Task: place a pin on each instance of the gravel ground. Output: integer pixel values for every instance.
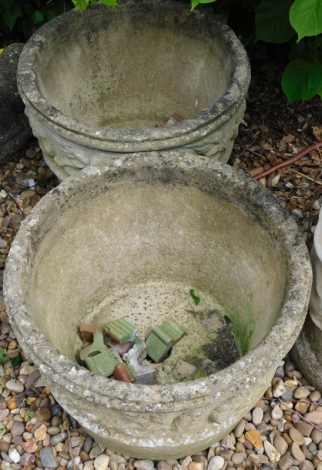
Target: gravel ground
(283, 430)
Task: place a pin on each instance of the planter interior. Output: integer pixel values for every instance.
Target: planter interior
(131, 241)
(131, 67)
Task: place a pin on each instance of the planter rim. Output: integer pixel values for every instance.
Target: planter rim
(189, 394)
(190, 128)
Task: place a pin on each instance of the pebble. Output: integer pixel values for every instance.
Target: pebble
(47, 457)
(306, 465)
(58, 438)
(17, 429)
(316, 436)
(195, 466)
(43, 415)
(101, 462)
(271, 452)
(53, 430)
(144, 464)
(14, 455)
(296, 436)
(277, 413)
(280, 445)
(301, 392)
(15, 386)
(238, 457)
(216, 463)
(257, 415)
(314, 417)
(279, 388)
(118, 459)
(40, 433)
(94, 452)
(296, 452)
(239, 429)
(286, 462)
(255, 438)
(4, 446)
(315, 396)
(87, 444)
(30, 446)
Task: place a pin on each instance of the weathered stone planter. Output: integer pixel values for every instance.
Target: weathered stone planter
(95, 83)
(135, 236)
(307, 353)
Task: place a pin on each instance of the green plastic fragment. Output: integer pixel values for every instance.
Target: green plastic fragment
(104, 363)
(97, 346)
(162, 339)
(121, 330)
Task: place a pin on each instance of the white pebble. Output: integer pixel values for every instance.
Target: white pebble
(216, 463)
(101, 462)
(15, 386)
(277, 413)
(14, 455)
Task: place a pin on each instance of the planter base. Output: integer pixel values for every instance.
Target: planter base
(307, 353)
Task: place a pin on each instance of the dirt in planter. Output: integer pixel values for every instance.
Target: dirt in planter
(218, 354)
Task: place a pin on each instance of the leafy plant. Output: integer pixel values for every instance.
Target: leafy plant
(3, 357)
(83, 4)
(278, 22)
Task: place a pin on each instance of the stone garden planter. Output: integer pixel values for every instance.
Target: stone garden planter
(307, 353)
(130, 239)
(95, 83)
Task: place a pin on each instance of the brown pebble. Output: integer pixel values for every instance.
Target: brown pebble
(301, 392)
(85, 457)
(314, 417)
(280, 445)
(255, 438)
(304, 428)
(65, 455)
(239, 429)
(296, 452)
(238, 457)
(43, 415)
(13, 345)
(195, 466)
(226, 454)
(286, 462)
(296, 436)
(301, 407)
(30, 447)
(239, 448)
(4, 446)
(287, 438)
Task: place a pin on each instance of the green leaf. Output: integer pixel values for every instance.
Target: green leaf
(306, 17)
(10, 12)
(302, 80)
(272, 21)
(3, 356)
(37, 17)
(80, 4)
(195, 3)
(195, 298)
(15, 361)
(110, 3)
(30, 413)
